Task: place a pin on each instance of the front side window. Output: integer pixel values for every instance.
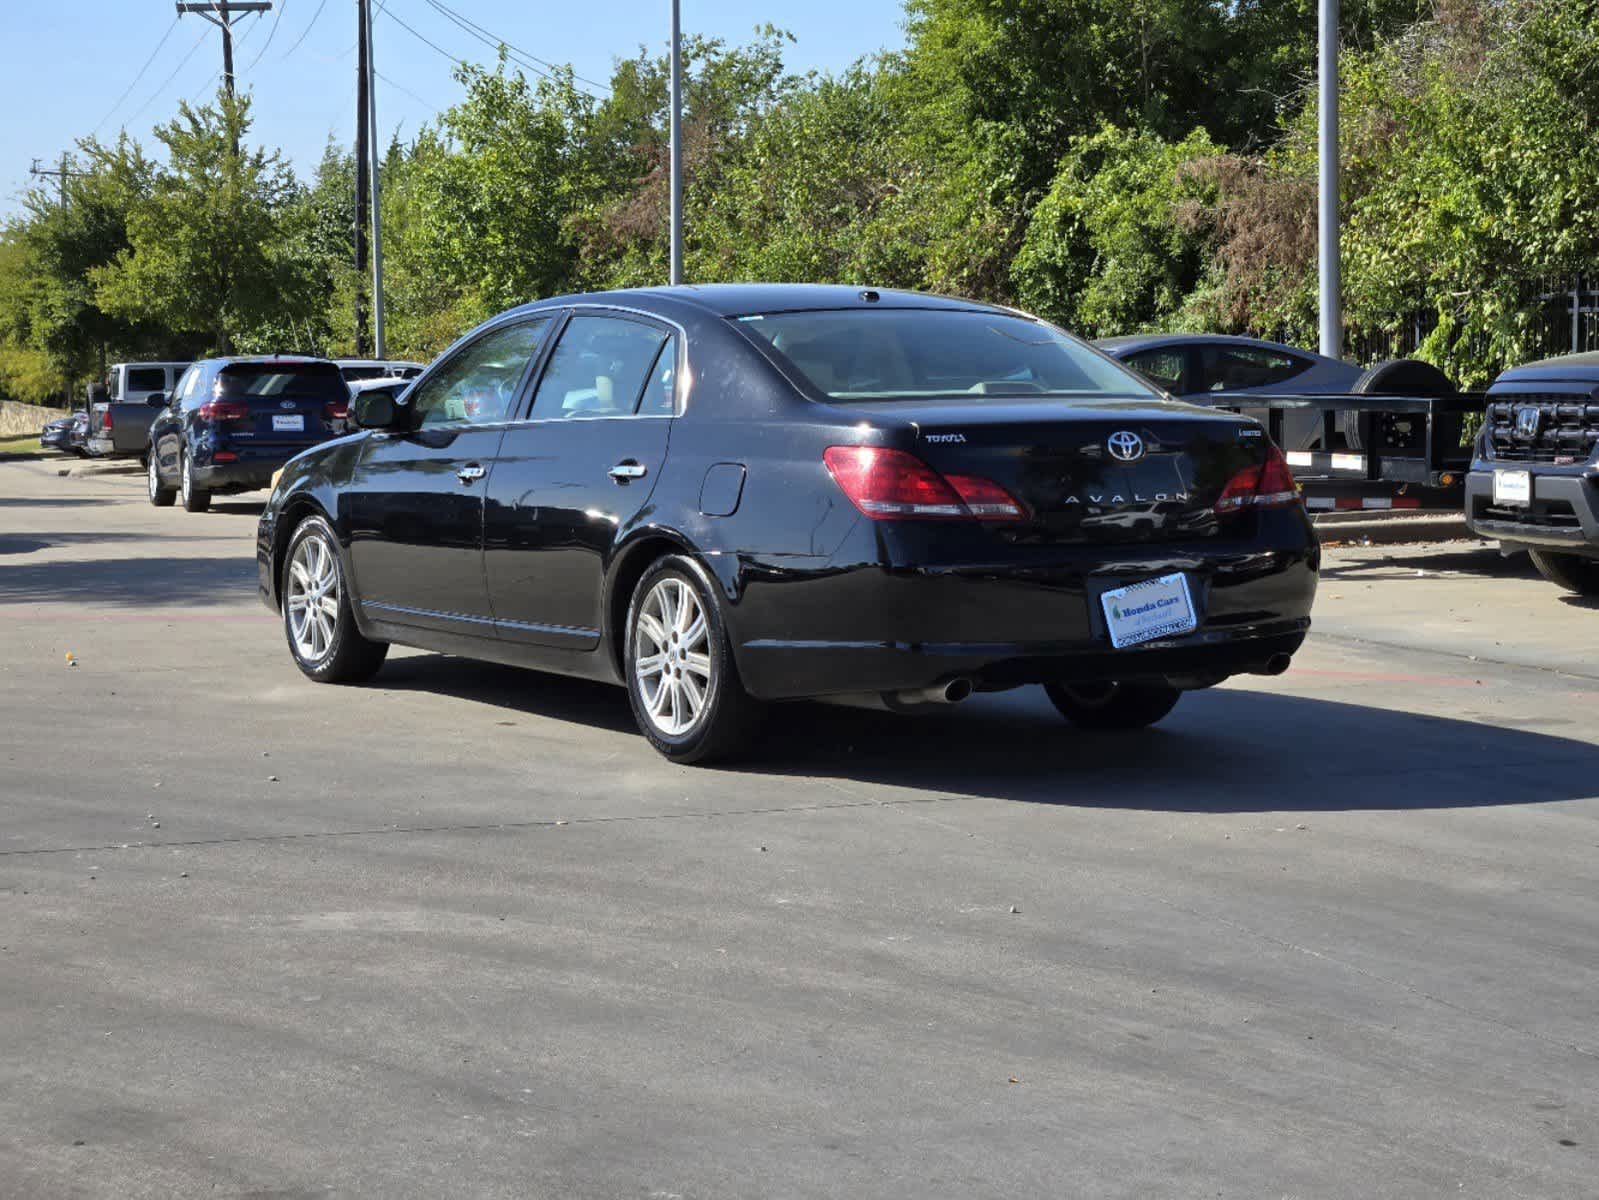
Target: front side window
(913, 354)
(600, 368)
(147, 379)
(1233, 368)
(480, 383)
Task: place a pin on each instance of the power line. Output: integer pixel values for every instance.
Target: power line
(382, 8)
(306, 32)
(497, 41)
(400, 87)
(137, 75)
(278, 16)
(168, 82)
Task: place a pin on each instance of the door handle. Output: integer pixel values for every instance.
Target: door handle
(470, 473)
(627, 470)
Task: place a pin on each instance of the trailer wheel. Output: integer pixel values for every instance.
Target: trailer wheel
(1401, 377)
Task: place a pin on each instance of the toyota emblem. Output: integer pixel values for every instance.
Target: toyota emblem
(1125, 446)
(1527, 422)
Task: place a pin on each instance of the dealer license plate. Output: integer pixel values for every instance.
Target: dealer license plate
(1142, 612)
(1512, 487)
(294, 422)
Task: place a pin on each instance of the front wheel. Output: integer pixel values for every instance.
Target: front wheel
(681, 678)
(317, 617)
(1570, 571)
(1108, 706)
(160, 494)
(195, 499)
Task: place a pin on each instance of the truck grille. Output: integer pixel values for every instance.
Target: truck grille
(1568, 427)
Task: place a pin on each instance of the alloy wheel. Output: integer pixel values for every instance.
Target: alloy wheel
(671, 657)
(154, 477)
(188, 482)
(313, 598)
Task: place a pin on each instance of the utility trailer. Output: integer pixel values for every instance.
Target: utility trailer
(1386, 451)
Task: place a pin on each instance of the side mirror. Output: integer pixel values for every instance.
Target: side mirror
(376, 410)
(155, 400)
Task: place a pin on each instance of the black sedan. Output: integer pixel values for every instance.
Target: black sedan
(726, 496)
(230, 423)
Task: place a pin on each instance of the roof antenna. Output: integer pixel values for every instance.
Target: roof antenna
(870, 296)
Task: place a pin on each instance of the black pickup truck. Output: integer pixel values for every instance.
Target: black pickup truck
(1534, 479)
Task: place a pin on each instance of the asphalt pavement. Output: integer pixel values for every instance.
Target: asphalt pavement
(462, 933)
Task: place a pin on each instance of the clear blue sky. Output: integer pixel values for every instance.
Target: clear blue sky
(67, 68)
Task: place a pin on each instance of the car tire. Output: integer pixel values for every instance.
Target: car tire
(678, 663)
(1108, 706)
(1570, 571)
(195, 500)
(324, 641)
(160, 495)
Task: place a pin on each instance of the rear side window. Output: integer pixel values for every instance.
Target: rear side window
(1230, 368)
(909, 354)
(147, 379)
(308, 381)
(1164, 366)
(599, 369)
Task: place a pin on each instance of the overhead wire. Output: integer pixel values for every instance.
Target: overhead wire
(485, 37)
(306, 32)
(494, 39)
(148, 100)
(276, 17)
(137, 75)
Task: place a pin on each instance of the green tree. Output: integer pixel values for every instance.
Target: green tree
(211, 247)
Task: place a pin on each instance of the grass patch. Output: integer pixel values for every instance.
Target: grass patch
(23, 446)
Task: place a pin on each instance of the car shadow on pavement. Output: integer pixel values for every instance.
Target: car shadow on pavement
(51, 501)
(1481, 561)
(245, 508)
(30, 543)
(1227, 750)
(135, 581)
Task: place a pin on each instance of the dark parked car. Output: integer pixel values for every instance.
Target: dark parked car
(723, 496)
(1534, 483)
(60, 433)
(232, 422)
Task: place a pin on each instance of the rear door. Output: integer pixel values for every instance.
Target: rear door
(284, 405)
(576, 474)
(413, 507)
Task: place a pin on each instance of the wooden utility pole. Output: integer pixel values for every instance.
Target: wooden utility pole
(221, 13)
(363, 159)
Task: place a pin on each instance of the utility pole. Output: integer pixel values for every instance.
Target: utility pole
(379, 343)
(363, 158)
(1332, 325)
(221, 13)
(677, 144)
(62, 174)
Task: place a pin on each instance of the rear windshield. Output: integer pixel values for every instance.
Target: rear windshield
(354, 373)
(906, 354)
(147, 379)
(315, 381)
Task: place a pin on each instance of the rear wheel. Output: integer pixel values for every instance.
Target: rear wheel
(681, 678)
(195, 500)
(1570, 571)
(317, 618)
(160, 495)
(1112, 705)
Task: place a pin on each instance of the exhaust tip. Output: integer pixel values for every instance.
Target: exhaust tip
(957, 690)
(1277, 664)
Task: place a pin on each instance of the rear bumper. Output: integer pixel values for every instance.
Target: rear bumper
(1563, 515)
(251, 472)
(875, 629)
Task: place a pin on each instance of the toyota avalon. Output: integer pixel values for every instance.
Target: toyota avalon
(726, 496)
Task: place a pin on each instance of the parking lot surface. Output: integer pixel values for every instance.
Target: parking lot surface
(462, 932)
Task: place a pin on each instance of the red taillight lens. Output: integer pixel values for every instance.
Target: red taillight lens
(891, 484)
(985, 499)
(105, 422)
(1269, 485)
(337, 410)
(224, 410)
(224, 456)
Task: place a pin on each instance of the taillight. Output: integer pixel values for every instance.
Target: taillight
(224, 456)
(105, 422)
(1269, 485)
(224, 410)
(337, 410)
(890, 484)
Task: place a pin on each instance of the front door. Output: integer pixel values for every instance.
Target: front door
(413, 508)
(577, 474)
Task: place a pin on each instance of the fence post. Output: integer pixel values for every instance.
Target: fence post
(1576, 316)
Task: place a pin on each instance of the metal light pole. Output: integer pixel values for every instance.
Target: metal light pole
(379, 343)
(1332, 326)
(677, 143)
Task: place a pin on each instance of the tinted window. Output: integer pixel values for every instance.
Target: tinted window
(598, 369)
(315, 381)
(147, 379)
(1229, 368)
(177, 373)
(354, 373)
(184, 383)
(894, 354)
(480, 382)
(1163, 366)
(660, 391)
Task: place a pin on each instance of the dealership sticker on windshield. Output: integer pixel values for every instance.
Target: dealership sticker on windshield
(1142, 612)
